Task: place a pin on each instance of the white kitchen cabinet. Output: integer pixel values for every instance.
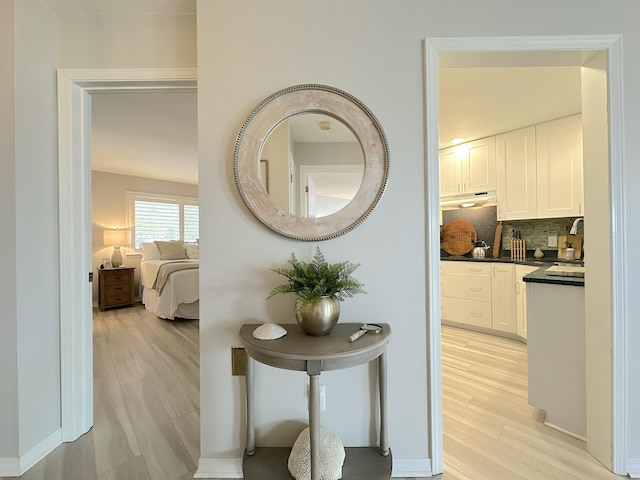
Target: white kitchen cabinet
(466, 293)
(559, 168)
(468, 168)
(539, 171)
(521, 299)
(503, 297)
(516, 174)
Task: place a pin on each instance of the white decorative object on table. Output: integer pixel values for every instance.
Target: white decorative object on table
(332, 456)
(269, 331)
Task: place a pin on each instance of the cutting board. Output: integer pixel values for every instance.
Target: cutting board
(497, 241)
(457, 237)
(565, 240)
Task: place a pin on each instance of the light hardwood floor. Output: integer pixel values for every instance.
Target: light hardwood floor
(146, 374)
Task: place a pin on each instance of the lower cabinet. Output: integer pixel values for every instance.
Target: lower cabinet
(489, 295)
(503, 297)
(466, 293)
(521, 299)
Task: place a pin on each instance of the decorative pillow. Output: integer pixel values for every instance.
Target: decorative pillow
(173, 250)
(192, 250)
(149, 251)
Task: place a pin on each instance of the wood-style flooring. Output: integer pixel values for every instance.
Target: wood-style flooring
(147, 422)
(490, 431)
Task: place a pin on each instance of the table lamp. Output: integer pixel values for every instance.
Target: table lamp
(116, 238)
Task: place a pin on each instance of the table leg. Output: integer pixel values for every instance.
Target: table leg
(251, 434)
(382, 387)
(314, 425)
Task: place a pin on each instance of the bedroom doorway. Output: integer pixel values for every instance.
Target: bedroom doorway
(74, 165)
(612, 428)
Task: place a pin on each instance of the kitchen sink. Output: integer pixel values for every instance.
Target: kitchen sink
(566, 270)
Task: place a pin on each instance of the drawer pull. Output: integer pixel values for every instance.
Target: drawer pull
(476, 289)
(475, 269)
(477, 315)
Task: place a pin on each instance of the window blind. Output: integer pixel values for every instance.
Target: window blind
(162, 217)
(191, 223)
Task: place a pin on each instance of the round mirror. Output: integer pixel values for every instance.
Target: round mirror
(311, 162)
(311, 165)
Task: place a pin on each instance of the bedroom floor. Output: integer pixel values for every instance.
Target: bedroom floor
(147, 413)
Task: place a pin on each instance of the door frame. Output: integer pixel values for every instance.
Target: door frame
(618, 361)
(75, 87)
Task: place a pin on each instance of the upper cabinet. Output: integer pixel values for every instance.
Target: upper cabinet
(516, 172)
(468, 168)
(559, 168)
(539, 170)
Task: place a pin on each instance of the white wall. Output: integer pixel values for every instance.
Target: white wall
(8, 320)
(36, 224)
(126, 41)
(373, 50)
(109, 210)
(331, 45)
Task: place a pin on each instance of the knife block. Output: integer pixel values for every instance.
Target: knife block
(563, 244)
(518, 250)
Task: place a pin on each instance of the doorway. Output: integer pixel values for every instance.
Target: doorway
(605, 416)
(74, 166)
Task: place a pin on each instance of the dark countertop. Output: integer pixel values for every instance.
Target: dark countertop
(538, 276)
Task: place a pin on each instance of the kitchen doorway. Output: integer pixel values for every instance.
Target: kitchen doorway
(598, 56)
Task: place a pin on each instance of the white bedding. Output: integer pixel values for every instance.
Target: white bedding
(180, 295)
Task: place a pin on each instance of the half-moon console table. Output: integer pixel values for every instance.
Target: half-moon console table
(301, 352)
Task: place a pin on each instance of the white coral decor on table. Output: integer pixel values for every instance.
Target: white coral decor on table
(332, 456)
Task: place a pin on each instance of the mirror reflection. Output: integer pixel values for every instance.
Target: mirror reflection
(311, 165)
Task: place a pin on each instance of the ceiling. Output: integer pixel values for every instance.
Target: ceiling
(479, 102)
(151, 135)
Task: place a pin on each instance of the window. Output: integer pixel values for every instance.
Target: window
(162, 217)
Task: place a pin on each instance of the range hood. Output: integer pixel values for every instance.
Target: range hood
(469, 200)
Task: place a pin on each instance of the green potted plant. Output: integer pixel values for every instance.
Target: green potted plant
(320, 287)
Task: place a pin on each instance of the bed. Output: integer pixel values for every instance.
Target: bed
(169, 279)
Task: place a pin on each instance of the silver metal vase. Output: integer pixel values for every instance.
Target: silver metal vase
(318, 317)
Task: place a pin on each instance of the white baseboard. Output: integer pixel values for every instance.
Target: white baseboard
(411, 468)
(633, 467)
(214, 468)
(565, 431)
(15, 467)
(232, 468)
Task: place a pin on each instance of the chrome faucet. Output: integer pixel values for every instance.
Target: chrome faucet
(574, 228)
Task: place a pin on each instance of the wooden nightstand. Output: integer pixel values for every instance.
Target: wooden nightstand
(115, 286)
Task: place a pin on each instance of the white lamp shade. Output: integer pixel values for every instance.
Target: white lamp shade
(115, 237)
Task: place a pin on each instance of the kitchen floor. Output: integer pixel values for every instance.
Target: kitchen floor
(490, 431)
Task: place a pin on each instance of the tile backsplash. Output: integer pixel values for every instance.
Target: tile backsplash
(535, 232)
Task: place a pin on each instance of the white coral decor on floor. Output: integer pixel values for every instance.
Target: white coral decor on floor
(331, 456)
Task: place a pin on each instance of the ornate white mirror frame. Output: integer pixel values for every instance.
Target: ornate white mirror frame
(297, 100)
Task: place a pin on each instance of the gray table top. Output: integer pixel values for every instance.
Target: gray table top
(333, 351)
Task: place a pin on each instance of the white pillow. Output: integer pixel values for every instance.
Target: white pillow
(192, 249)
(149, 251)
(171, 250)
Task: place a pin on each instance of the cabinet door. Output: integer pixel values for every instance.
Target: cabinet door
(450, 172)
(521, 299)
(503, 297)
(516, 174)
(559, 168)
(466, 312)
(479, 166)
